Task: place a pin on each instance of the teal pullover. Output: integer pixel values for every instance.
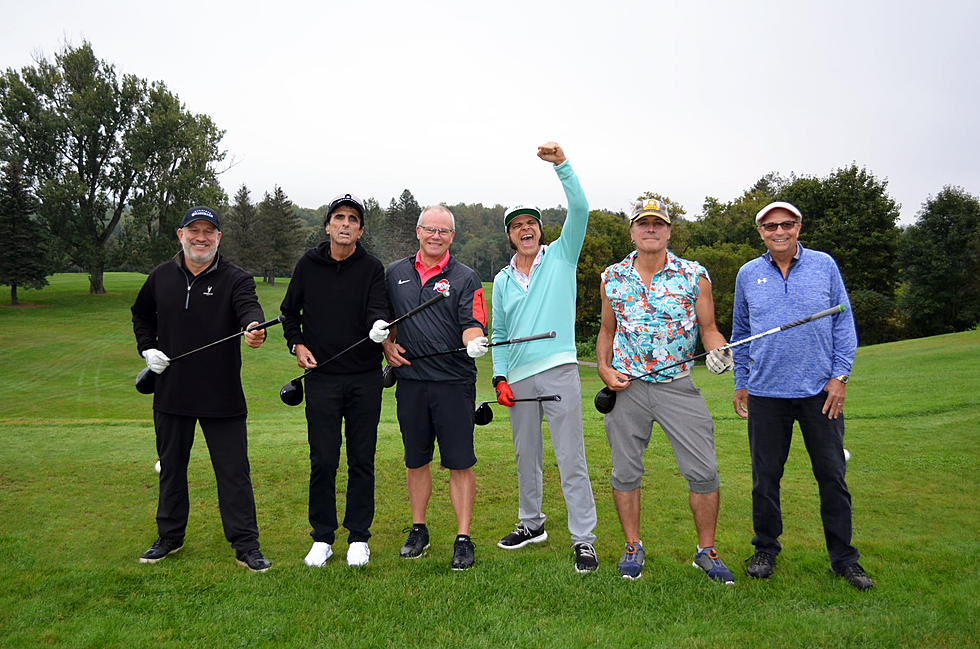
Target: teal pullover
(549, 302)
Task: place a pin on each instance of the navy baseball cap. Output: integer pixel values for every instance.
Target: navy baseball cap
(201, 213)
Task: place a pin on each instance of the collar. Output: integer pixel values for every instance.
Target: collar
(440, 265)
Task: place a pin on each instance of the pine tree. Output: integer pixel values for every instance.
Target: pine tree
(280, 235)
(25, 261)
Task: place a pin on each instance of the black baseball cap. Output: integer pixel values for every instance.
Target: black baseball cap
(201, 213)
(346, 199)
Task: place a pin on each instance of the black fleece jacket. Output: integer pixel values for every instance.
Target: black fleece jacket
(176, 312)
(331, 304)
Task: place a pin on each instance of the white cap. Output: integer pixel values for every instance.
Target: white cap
(789, 207)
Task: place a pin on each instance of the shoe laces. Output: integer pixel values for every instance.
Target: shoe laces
(585, 550)
(631, 550)
(523, 529)
(761, 558)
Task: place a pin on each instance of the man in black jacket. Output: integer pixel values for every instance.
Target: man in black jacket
(187, 302)
(337, 292)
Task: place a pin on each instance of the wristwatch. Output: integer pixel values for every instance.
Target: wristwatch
(842, 378)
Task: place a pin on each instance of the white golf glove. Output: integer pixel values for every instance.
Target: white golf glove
(477, 347)
(379, 331)
(156, 360)
(719, 361)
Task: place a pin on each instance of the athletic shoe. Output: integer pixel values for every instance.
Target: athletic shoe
(761, 565)
(463, 553)
(854, 574)
(318, 555)
(417, 543)
(521, 536)
(630, 565)
(358, 554)
(708, 560)
(253, 560)
(160, 549)
(585, 558)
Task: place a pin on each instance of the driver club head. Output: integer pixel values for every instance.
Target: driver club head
(388, 377)
(483, 414)
(605, 399)
(145, 381)
(292, 393)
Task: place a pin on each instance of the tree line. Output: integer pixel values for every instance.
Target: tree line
(98, 168)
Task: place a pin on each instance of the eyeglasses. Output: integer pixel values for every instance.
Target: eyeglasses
(442, 232)
(786, 225)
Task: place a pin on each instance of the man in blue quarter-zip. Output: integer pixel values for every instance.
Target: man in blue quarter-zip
(187, 302)
(799, 375)
(536, 293)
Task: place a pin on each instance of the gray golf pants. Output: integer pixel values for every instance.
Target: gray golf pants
(565, 424)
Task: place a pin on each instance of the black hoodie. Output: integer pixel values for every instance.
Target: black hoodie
(331, 304)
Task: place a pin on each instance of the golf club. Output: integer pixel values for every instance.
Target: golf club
(483, 415)
(390, 378)
(605, 399)
(292, 393)
(146, 380)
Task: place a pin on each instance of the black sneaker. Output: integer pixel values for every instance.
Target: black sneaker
(585, 558)
(417, 543)
(253, 560)
(160, 549)
(521, 536)
(463, 553)
(854, 574)
(761, 565)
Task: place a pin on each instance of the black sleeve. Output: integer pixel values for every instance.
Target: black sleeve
(378, 306)
(144, 311)
(245, 302)
(292, 307)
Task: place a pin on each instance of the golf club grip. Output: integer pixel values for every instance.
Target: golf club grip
(268, 323)
(525, 339)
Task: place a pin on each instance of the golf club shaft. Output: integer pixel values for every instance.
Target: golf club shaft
(525, 339)
(815, 316)
(261, 325)
(421, 307)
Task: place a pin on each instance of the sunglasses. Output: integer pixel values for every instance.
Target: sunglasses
(772, 227)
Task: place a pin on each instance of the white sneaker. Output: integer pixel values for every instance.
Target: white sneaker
(318, 555)
(358, 554)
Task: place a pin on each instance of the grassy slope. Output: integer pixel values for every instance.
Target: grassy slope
(78, 496)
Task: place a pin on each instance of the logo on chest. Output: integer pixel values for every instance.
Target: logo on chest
(441, 286)
(208, 291)
(761, 280)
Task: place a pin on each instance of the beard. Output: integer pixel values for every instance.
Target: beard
(199, 258)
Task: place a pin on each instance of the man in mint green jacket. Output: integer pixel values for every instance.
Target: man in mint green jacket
(535, 293)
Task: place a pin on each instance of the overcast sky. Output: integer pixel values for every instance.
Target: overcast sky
(450, 99)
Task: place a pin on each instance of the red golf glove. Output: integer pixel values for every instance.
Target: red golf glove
(505, 396)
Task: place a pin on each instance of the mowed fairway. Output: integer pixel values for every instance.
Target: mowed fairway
(78, 499)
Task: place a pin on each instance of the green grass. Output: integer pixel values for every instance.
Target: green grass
(78, 498)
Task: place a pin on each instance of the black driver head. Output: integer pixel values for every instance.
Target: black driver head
(292, 393)
(483, 414)
(605, 399)
(388, 377)
(145, 381)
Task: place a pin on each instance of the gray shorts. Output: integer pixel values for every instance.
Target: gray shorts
(679, 409)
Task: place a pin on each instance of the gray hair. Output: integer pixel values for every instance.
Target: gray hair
(437, 208)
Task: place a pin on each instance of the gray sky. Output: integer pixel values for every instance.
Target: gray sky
(450, 99)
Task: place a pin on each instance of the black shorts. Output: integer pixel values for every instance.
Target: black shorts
(430, 411)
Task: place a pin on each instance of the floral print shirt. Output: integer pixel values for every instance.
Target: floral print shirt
(656, 325)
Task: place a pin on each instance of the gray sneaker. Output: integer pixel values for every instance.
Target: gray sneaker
(630, 565)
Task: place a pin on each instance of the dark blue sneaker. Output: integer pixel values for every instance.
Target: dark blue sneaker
(630, 565)
(708, 560)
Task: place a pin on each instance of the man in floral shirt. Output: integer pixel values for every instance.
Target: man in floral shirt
(654, 304)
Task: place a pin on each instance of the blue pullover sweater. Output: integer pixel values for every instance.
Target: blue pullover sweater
(798, 362)
(549, 302)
